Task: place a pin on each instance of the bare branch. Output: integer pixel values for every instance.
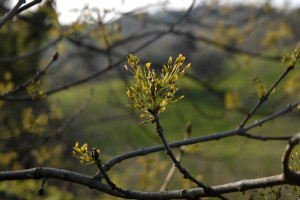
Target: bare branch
(25, 7)
(106, 177)
(38, 173)
(65, 175)
(257, 137)
(178, 157)
(216, 136)
(288, 109)
(144, 151)
(41, 190)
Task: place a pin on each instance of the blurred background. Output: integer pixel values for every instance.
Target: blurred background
(235, 51)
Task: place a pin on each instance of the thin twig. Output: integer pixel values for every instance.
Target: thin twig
(106, 177)
(257, 137)
(288, 109)
(264, 97)
(41, 190)
(216, 136)
(178, 157)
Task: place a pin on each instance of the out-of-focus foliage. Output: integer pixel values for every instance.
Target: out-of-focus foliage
(291, 59)
(292, 84)
(29, 190)
(228, 35)
(260, 88)
(6, 85)
(274, 37)
(152, 167)
(295, 160)
(233, 100)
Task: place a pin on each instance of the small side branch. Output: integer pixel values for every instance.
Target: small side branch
(106, 177)
(288, 109)
(264, 97)
(41, 190)
(257, 137)
(25, 7)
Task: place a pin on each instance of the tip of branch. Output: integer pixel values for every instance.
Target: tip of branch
(55, 56)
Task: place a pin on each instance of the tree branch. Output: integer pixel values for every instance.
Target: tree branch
(177, 164)
(178, 157)
(11, 13)
(25, 7)
(257, 137)
(288, 109)
(144, 151)
(65, 175)
(264, 97)
(288, 177)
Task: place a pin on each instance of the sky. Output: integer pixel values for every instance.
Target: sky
(67, 15)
